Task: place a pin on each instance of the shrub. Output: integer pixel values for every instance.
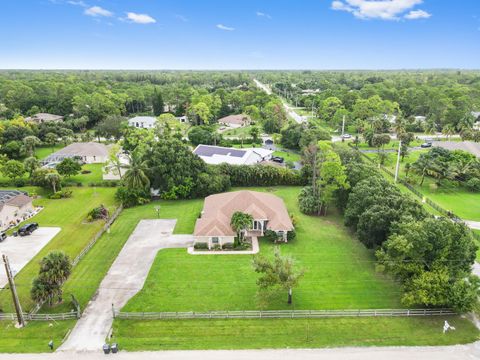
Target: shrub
(473, 184)
(62, 194)
(217, 247)
(86, 172)
(270, 235)
(227, 246)
(200, 246)
(307, 201)
(99, 212)
(291, 235)
(132, 197)
(260, 175)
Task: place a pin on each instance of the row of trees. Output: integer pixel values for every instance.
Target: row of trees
(431, 257)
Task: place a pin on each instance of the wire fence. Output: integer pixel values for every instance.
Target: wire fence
(97, 236)
(280, 314)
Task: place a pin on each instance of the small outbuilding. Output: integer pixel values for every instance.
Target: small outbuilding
(143, 122)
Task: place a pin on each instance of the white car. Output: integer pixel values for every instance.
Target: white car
(346, 136)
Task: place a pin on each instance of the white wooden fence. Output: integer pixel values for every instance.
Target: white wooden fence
(280, 314)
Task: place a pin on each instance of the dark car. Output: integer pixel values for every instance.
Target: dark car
(278, 159)
(269, 142)
(3, 236)
(426, 145)
(27, 229)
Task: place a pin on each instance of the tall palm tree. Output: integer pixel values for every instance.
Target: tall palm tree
(56, 267)
(240, 222)
(135, 177)
(53, 178)
(448, 130)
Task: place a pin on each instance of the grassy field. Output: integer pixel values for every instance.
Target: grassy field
(244, 130)
(34, 337)
(460, 201)
(287, 155)
(283, 333)
(323, 247)
(70, 215)
(95, 176)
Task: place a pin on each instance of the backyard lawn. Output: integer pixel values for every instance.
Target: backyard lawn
(70, 215)
(95, 175)
(285, 333)
(43, 151)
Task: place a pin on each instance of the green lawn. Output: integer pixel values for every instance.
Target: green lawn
(95, 176)
(70, 215)
(244, 130)
(339, 273)
(34, 337)
(287, 155)
(43, 151)
(283, 333)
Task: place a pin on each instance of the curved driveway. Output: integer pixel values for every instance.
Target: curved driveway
(124, 279)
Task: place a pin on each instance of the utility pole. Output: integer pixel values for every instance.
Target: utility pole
(398, 160)
(16, 301)
(343, 126)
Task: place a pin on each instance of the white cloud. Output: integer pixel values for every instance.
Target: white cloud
(77, 3)
(381, 9)
(97, 11)
(417, 14)
(226, 28)
(181, 18)
(262, 14)
(140, 18)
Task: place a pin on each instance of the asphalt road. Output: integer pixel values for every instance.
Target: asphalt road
(459, 352)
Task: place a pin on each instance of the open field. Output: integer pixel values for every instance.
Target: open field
(95, 176)
(34, 337)
(296, 333)
(69, 214)
(463, 203)
(323, 247)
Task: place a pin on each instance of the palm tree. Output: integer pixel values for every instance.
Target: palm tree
(448, 130)
(135, 177)
(240, 222)
(30, 142)
(423, 165)
(53, 178)
(55, 267)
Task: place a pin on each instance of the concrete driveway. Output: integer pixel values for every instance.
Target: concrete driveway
(124, 279)
(21, 249)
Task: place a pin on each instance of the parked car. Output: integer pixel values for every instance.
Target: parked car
(278, 159)
(426, 145)
(269, 142)
(346, 136)
(27, 229)
(3, 236)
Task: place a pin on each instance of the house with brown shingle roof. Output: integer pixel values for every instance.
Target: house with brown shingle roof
(268, 211)
(15, 206)
(44, 118)
(235, 120)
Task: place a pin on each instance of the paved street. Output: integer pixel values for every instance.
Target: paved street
(459, 352)
(21, 249)
(124, 279)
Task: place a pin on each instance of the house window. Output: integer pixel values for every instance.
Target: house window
(214, 240)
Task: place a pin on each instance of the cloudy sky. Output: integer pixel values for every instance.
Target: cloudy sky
(246, 34)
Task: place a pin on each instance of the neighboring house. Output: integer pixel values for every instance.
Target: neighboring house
(476, 124)
(44, 118)
(143, 122)
(15, 206)
(218, 155)
(420, 119)
(268, 211)
(182, 119)
(235, 121)
(89, 153)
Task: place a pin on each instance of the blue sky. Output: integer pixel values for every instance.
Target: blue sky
(239, 34)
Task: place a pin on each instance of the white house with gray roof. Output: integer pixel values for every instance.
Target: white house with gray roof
(15, 206)
(143, 122)
(89, 153)
(215, 155)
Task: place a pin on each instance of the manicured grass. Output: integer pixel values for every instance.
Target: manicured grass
(95, 176)
(34, 337)
(288, 156)
(460, 201)
(282, 333)
(339, 273)
(70, 215)
(43, 151)
(89, 273)
(244, 130)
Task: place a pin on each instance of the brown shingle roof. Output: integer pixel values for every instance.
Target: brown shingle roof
(19, 200)
(218, 210)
